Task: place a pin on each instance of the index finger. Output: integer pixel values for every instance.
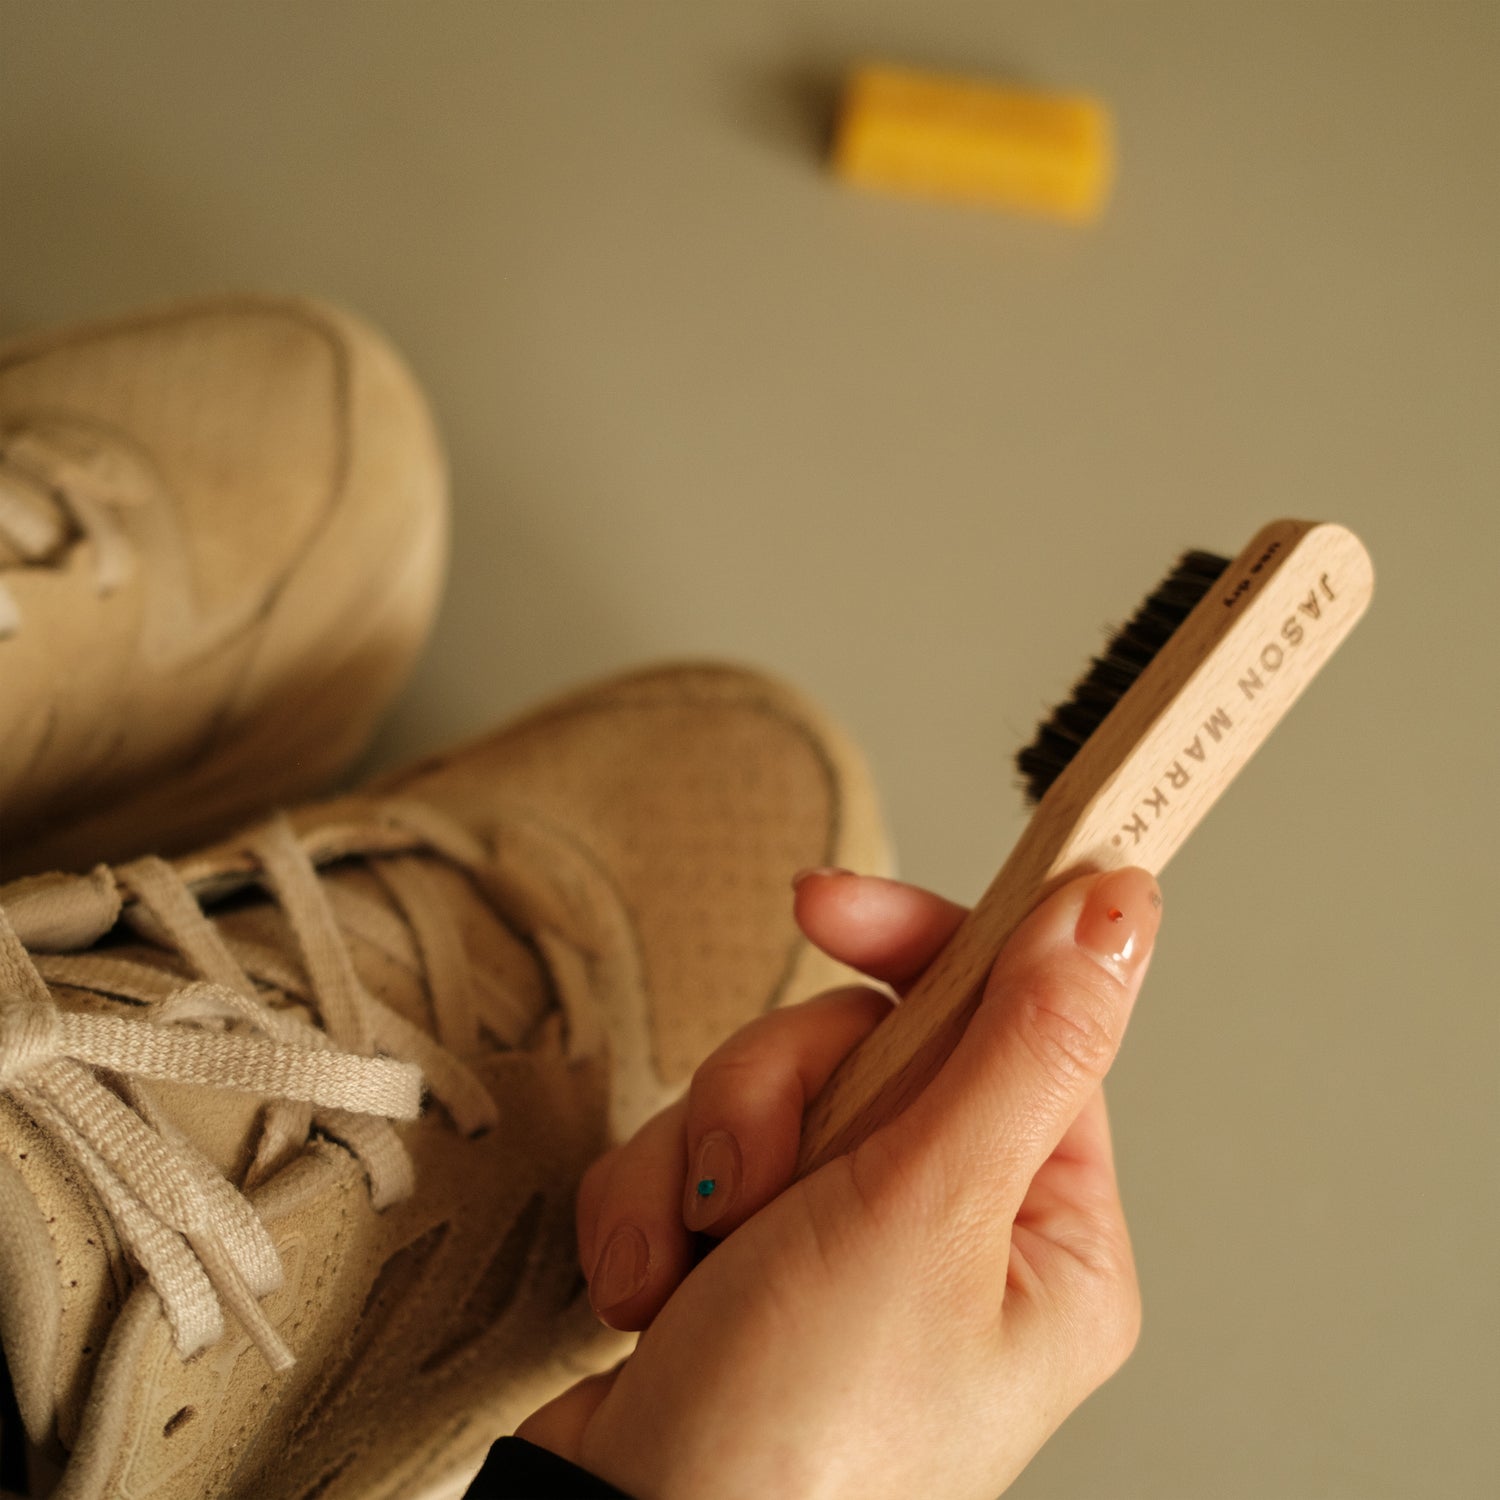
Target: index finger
(884, 928)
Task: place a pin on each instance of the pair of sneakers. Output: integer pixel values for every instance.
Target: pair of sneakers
(291, 1123)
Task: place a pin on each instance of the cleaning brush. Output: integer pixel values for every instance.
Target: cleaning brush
(1154, 731)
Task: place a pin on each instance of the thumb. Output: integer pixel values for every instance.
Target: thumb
(1044, 1035)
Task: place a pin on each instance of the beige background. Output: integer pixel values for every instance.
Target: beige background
(702, 400)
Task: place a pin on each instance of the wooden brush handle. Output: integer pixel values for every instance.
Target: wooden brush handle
(900, 1057)
(1133, 793)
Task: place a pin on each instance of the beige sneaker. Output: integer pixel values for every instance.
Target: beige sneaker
(553, 924)
(222, 530)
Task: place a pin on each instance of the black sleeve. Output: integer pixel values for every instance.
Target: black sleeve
(518, 1470)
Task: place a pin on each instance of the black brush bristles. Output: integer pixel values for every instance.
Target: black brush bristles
(1110, 676)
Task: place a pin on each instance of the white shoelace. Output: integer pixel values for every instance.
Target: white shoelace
(81, 1076)
(61, 483)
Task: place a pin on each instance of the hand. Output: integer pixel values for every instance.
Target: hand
(916, 1317)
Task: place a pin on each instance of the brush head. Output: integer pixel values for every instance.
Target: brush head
(1110, 676)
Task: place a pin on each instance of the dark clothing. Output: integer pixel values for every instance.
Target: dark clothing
(518, 1470)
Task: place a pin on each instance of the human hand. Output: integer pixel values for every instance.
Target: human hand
(917, 1316)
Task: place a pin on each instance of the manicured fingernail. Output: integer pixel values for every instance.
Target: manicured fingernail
(802, 875)
(713, 1181)
(621, 1268)
(1119, 922)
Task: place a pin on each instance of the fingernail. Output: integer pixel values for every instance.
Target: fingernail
(621, 1268)
(802, 875)
(713, 1181)
(1119, 922)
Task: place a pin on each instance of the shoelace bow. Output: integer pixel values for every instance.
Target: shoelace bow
(79, 1075)
(60, 483)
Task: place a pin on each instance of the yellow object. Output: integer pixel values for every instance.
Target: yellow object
(946, 137)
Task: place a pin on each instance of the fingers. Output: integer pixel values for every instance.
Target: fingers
(883, 928)
(1045, 1033)
(632, 1243)
(746, 1103)
(713, 1159)
(1007, 1100)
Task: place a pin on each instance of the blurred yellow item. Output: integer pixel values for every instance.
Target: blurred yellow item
(949, 137)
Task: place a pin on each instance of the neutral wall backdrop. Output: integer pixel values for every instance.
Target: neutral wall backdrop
(702, 400)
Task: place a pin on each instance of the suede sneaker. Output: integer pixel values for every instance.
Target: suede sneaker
(222, 532)
(235, 1258)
